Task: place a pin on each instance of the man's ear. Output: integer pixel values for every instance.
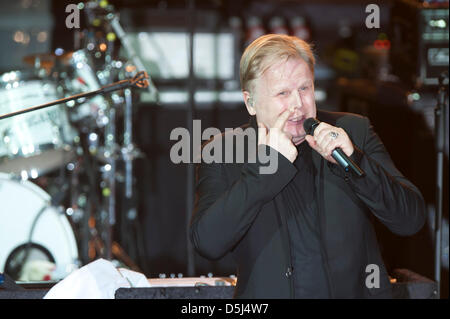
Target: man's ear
(249, 102)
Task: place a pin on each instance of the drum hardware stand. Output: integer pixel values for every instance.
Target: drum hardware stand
(102, 241)
(109, 180)
(90, 235)
(81, 210)
(440, 118)
(128, 156)
(129, 153)
(112, 19)
(128, 149)
(97, 245)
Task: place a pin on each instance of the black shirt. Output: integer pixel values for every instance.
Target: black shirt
(310, 279)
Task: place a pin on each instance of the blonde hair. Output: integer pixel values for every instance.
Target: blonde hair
(268, 49)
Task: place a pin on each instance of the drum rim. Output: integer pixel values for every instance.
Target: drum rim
(26, 183)
(21, 75)
(39, 150)
(66, 151)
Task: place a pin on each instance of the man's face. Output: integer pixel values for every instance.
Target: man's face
(288, 84)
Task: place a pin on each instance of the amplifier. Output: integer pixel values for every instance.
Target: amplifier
(419, 35)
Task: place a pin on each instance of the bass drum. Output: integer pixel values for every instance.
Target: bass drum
(36, 240)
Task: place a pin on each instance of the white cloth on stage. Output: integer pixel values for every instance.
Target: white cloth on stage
(97, 280)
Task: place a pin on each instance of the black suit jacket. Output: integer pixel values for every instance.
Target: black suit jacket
(240, 211)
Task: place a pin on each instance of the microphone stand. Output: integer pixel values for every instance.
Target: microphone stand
(139, 81)
(440, 129)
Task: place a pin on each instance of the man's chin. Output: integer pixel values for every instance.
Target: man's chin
(298, 139)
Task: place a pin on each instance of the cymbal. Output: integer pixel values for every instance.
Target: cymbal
(46, 60)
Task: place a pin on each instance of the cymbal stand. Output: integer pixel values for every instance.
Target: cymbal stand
(113, 150)
(108, 183)
(129, 153)
(128, 147)
(440, 129)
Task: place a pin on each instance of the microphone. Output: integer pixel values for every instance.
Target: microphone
(339, 156)
(139, 81)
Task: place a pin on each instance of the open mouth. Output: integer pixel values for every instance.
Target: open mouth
(297, 120)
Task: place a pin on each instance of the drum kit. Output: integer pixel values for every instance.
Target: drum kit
(59, 165)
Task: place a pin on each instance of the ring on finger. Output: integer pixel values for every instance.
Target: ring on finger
(333, 135)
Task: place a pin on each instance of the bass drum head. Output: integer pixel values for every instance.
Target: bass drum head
(36, 240)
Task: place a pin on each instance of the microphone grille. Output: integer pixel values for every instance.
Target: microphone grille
(309, 125)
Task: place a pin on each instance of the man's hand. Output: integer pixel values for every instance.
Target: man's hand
(276, 138)
(324, 143)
